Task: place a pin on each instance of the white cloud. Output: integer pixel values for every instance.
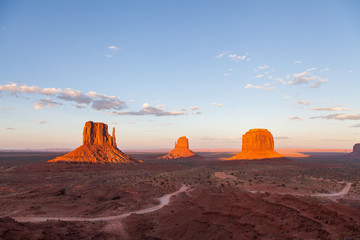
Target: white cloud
(217, 104)
(237, 58)
(75, 96)
(14, 88)
(297, 62)
(113, 51)
(114, 48)
(50, 91)
(334, 108)
(106, 104)
(197, 112)
(41, 122)
(355, 126)
(28, 89)
(99, 95)
(264, 87)
(80, 100)
(47, 102)
(194, 108)
(132, 101)
(339, 116)
(227, 74)
(262, 67)
(295, 118)
(149, 110)
(103, 102)
(220, 55)
(303, 102)
(9, 128)
(307, 77)
(259, 76)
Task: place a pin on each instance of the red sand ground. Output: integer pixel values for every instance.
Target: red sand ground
(218, 208)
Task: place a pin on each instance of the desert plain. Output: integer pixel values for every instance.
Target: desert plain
(312, 197)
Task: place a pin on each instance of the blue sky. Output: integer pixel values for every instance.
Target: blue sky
(158, 70)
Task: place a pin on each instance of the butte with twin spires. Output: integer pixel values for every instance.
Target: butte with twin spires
(98, 147)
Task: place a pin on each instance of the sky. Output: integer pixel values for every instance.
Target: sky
(158, 70)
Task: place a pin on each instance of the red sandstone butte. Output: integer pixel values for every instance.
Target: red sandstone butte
(181, 150)
(356, 151)
(98, 147)
(257, 144)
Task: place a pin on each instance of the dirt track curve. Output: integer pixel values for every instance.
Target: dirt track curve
(163, 201)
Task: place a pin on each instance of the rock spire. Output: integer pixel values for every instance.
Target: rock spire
(98, 147)
(257, 144)
(181, 150)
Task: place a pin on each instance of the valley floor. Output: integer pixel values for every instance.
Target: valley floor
(315, 197)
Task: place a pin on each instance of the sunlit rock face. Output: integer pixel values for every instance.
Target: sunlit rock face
(98, 147)
(97, 134)
(181, 150)
(257, 144)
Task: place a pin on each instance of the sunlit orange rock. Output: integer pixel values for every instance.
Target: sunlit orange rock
(181, 150)
(257, 144)
(98, 147)
(97, 134)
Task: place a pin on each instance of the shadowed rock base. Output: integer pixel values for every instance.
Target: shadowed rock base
(356, 151)
(98, 147)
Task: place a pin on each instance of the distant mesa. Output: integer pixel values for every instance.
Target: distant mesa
(98, 147)
(257, 144)
(181, 150)
(356, 151)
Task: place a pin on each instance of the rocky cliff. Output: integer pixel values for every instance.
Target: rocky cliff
(356, 151)
(97, 134)
(181, 150)
(257, 144)
(98, 147)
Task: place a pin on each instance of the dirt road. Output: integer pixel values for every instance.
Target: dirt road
(342, 193)
(163, 201)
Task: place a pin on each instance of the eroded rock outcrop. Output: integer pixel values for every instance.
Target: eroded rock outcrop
(98, 147)
(257, 144)
(97, 134)
(356, 151)
(181, 150)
